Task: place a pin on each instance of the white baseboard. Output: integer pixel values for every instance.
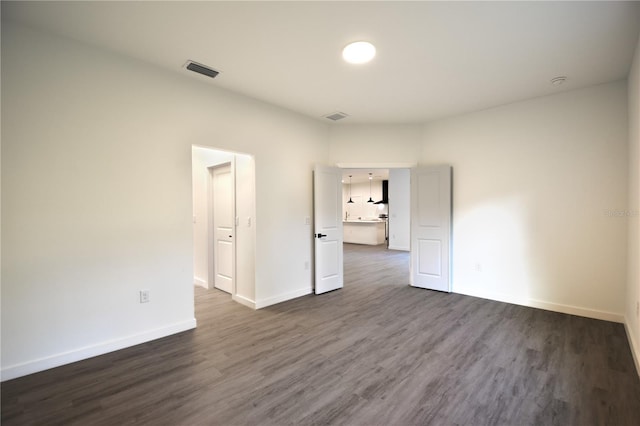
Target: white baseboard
(549, 306)
(635, 349)
(392, 247)
(263, 303)
(244, 301)
(576, 310)
(30, 367)
(200, 282)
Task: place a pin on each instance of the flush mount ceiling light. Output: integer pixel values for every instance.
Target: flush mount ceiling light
(557, 81)
(359, 52)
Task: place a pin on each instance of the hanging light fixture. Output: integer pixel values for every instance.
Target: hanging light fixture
(370, 199)
(350, 200)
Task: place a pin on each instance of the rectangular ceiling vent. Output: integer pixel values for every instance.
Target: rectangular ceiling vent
(335, 116)
(201, 69)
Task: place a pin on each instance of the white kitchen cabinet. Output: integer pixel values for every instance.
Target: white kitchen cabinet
(370, 232)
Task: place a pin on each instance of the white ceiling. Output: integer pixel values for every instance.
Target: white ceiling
(435, 59)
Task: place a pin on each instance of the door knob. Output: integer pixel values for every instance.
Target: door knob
(321, 235)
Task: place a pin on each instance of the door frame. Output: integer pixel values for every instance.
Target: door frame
(400, 165)
(211, 252)
(411, 166)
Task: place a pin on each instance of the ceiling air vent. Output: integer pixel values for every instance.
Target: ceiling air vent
(335, 116)
(201, 69)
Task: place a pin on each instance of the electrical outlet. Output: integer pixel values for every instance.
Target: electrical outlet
(144, 296)
(306, 265)
(477, 267)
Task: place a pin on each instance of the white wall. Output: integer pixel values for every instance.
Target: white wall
(381, 144)
(245, 231)
(97, 197)
(532, 184)
(632, 296)
(400, 209)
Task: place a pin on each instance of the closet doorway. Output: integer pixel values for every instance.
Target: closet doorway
(223, 222)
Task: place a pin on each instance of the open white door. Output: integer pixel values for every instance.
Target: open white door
(222, 226)
(327, 231)
(431, 227)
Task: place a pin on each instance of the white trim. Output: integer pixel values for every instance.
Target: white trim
(399, 248)
(549, 306)
(376, 165)
(200, 282)
(34, 366)
(635, 349)
(226, 151)
(244, 301)
(576, 310)
(263, 303)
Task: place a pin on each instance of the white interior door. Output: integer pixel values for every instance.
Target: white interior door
(327, 208)
(431, 227)
(223, 221)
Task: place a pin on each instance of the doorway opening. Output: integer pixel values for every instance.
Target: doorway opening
(376, 226)
(223, 184)
(430, 201)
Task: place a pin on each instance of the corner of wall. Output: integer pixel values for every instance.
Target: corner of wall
(633, 345)
(632, 321)
(263, 303)
(244, 301)
(200, 282)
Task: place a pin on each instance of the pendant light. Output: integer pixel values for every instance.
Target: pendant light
(350, 200)
(370, 199)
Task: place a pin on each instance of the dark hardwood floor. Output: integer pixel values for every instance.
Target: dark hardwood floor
(377, 352)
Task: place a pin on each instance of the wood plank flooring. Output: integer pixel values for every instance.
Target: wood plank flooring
(377, 352)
